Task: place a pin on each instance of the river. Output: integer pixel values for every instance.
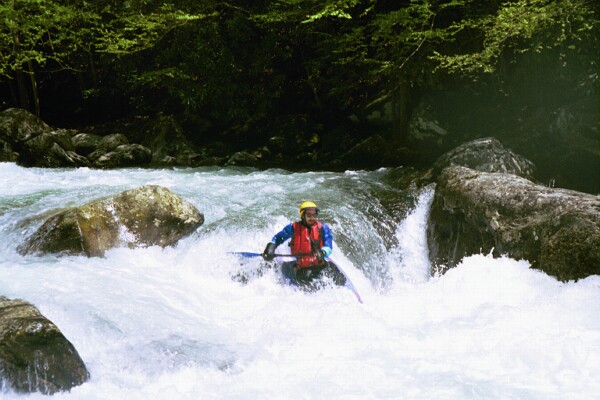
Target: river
(177, 323)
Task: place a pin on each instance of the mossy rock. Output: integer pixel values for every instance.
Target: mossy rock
(34, 354)
(145, 216)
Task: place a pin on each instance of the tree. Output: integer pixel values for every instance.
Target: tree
(517, 27)
(384, 51)
(33, 34)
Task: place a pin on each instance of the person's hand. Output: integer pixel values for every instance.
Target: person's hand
(269, 253)
(326, 251)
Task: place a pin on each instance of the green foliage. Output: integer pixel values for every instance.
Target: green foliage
(336, 9)
(518, 27)
(33, 31)
(238, 60)
(128, 33)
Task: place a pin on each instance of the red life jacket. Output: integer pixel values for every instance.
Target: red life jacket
(301, 243)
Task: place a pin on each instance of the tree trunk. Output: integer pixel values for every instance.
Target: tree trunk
(22, 91)
(401, 111)
(34, 89)
(14, 92)
(93, 69)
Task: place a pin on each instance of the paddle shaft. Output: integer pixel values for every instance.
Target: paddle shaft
(249, 254)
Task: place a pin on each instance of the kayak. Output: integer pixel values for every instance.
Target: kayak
(309, 279)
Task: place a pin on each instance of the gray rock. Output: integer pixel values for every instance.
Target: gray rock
(96, 154)
(557, 230)
(85, 143)
(486, 155)
(127, 155)
(78, 160)
(48, 149)
(32, 143)
(145, 216)
(18, 125)
(7, 154)
(34, 355)
(112, 141)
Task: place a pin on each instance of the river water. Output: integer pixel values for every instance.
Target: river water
(177, 323)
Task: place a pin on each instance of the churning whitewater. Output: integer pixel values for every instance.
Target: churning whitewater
(177, 323)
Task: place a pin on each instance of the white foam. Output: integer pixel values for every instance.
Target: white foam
(171, 324)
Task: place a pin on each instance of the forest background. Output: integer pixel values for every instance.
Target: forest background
(318, 83)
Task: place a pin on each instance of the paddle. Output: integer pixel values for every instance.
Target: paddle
(249, 254)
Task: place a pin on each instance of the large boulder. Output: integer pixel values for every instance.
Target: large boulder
(486, 155)
(18, 125)
(34, 354)
(145, 216)
(31, 142)
(557, 230)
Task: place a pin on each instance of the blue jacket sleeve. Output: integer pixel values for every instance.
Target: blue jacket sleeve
(327, 237)
(283, 235)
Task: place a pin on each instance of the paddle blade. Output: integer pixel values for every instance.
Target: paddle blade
(245, 254)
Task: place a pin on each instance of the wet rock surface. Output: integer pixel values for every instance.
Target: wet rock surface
(557, 230)
(29, 141)
(34, 355)
(145, 216)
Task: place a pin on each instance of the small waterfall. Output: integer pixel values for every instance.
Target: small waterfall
(410, 259)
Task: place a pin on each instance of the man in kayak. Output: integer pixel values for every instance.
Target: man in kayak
(312, 242)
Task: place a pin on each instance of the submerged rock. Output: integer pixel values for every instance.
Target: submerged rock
(34, 355)
(557, 230)
(145, 216)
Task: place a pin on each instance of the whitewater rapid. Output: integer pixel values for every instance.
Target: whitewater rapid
(173, 323)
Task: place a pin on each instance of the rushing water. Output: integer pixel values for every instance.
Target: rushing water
(175, 323)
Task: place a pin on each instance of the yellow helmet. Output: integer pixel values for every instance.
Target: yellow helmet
(307, 204)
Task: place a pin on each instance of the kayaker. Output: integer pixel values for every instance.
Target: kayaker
(312, 242)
